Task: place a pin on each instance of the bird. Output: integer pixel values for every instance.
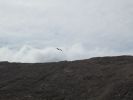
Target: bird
(59, 49)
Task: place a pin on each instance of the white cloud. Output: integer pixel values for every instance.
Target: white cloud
(28, 54)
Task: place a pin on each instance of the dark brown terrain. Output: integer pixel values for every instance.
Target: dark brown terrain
(101, 78)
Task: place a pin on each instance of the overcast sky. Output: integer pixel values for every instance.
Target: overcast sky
(31, 30)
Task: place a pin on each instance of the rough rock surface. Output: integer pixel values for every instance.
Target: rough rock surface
(100, 78)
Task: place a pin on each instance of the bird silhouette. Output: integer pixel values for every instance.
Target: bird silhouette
(59, 49)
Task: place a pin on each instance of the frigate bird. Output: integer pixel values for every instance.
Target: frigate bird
(59, 49)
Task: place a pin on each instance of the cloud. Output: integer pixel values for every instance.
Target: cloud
(85, 28)
(28, 54)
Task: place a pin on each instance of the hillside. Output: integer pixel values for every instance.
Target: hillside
(100, 78)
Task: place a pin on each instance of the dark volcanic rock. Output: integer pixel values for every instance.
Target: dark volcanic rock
(101, 78)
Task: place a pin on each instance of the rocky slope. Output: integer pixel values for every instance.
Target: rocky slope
(101, 78)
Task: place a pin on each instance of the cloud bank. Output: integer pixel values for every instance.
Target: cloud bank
(31, 30)
(28, 54)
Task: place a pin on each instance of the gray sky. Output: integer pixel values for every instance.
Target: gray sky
(30, 30)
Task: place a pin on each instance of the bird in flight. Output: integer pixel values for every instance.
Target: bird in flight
(59, 49)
